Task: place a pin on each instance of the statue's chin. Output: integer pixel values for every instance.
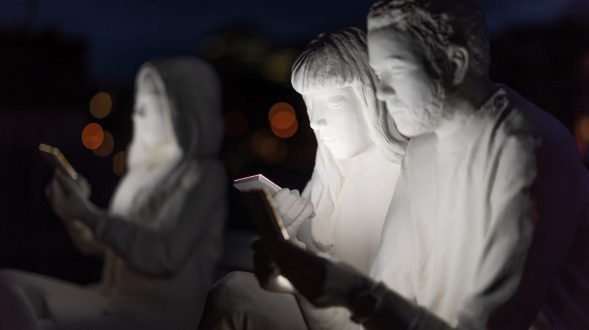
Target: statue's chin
(415, 128)
(341, 154)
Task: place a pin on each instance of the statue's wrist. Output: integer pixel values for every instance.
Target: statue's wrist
(92, 215)
(366, 301)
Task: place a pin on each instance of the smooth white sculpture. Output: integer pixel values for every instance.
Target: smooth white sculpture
(162, 235)
(351, 186)
(351, 177)
(488, 227)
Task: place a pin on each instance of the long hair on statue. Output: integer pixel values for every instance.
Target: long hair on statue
(338, 60)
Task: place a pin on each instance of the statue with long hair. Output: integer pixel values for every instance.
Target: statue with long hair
(342, 209)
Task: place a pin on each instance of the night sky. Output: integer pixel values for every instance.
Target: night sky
(123, 34)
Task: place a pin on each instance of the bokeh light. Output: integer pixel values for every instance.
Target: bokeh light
(252, 51)
(107, 146)
(236, 123)
(100, 105)
(119, 165)
(286, 133)
(582, 133)
(283, 120)
(277, 66)
(213, 47)
(92, 136)
(268, 147)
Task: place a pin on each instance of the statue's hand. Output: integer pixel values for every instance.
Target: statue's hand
(323, 281)
(83, 185)
(68, 197)
(267, 272)
(293, 209)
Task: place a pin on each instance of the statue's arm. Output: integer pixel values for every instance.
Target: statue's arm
(529, 235)
(163, 251)
(83, 238)
(536, 214)
(391, 311)
(329, 283)
(80, 234)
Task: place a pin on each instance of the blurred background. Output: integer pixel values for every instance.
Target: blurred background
(66, 79)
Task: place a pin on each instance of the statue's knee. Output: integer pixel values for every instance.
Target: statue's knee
(233, 291)
(9, 288)
(8, 276)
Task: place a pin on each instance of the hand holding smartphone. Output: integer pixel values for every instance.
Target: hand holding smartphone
(269, 224)
(57, 160)
(257, 181)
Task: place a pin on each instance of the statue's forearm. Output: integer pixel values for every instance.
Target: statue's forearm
(380, 308)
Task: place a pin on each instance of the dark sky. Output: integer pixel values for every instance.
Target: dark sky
(124, 33)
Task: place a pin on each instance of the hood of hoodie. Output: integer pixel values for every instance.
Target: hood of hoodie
(193, 91)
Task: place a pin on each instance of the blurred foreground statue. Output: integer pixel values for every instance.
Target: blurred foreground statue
(343, 207)
(488, 227)
(162, 234)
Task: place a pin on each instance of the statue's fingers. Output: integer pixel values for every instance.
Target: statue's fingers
(305, 214)
(305, 277)
(288, 202)
(65, 182)
(296, 209)
(302, 210)
(280, 196)
(58, 190)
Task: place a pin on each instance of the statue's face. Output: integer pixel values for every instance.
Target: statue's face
(414, 98)
(149, 117)
(336, 117)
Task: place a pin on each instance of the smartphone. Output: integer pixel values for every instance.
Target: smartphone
(262, 210)
(57, 160)
(258, 182)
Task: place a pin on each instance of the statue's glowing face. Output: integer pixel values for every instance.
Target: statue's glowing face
(150, 120)
(336, 117)
(413, 97)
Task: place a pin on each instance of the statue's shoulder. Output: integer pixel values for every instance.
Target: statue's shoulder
(525, 115)
(536, 130)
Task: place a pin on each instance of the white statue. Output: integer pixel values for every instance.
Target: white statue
(351, 186)
(489, 226)
(162, 234)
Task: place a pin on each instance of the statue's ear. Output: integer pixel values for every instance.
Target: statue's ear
(459, 59)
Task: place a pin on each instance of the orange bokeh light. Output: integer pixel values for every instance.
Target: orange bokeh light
(283, 120)
(285, 133)
(92, 136)
(268, 147)
(279, 107)
(100, 105)
(107, 145)
(582, 129)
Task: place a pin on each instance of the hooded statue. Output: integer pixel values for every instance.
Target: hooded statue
(162, 234)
